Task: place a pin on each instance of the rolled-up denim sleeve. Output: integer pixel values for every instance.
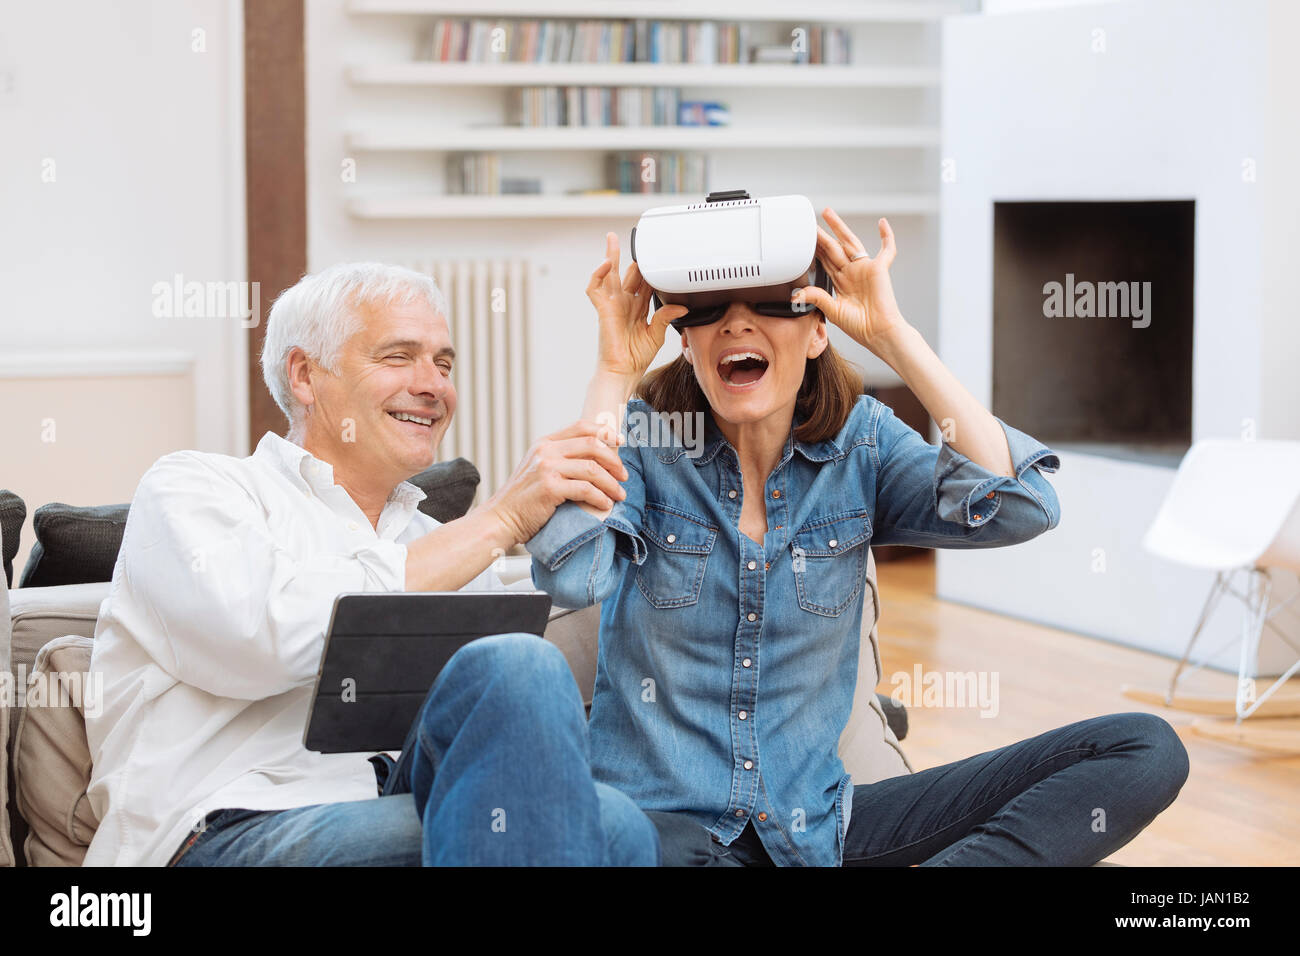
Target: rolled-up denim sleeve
(934, 496)
(577, 558)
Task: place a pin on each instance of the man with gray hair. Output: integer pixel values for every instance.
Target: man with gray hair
(211, 636)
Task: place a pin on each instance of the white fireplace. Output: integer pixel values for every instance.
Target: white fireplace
(1164, 115)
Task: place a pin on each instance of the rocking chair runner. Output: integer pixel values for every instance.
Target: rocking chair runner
(1234, 508)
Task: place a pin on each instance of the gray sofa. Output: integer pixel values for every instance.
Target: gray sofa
(46, 636)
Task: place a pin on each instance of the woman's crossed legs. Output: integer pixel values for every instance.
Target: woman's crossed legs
(1067, 797)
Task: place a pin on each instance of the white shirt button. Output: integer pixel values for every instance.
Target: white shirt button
(672, 538)
(731, 493)
(749, 765)
(746, 662)
(751, 616)
(353, 526)
(742, 715)
(752, 565)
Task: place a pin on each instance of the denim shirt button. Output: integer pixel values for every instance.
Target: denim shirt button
(751, 616)
(672, 538)
(740, 813)
(731, 493)
(742, 715)
(832, 542)
(746, 662)
(752, 565)
(762, 817)
(749, 765)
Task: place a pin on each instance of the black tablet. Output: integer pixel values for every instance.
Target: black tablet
(384, 650)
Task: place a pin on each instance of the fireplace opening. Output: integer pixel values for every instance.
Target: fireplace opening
(1092, 325)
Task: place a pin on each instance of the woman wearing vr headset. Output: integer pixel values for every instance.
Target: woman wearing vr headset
(732, 580)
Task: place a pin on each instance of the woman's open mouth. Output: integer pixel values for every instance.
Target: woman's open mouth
(742, 368)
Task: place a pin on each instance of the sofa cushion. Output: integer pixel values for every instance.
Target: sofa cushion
(868, 746)
(79, 545)
(51, 756)
(12, 514)
(38, 616)
(6, 698)
(450, 487)
(74, 545)
(577, 634)
(5, 628)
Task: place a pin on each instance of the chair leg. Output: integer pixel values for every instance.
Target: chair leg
(1252, 624)
(1216, 592)
(1255, 621)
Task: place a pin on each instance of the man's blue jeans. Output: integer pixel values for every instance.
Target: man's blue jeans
(1067, 797)
(495, 771)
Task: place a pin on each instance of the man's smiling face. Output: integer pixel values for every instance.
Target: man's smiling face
(394, 383)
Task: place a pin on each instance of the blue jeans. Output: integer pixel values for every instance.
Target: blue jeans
(1068, 797)
(495, 771)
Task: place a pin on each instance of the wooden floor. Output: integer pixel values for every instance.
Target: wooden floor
(1239, 807)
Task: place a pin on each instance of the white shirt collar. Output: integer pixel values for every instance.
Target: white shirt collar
(317, 475)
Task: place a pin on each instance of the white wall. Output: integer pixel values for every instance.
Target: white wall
(1280, 232)
(146, 140)
(121, 165)
(1020, 6)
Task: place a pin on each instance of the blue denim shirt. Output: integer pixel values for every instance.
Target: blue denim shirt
(726, 668)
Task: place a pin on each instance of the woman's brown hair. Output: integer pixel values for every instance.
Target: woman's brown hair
(831, 385)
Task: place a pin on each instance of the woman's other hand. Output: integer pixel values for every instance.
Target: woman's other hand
(628, 342)
(863, 304)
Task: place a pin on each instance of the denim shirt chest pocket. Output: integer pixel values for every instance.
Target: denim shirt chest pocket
(829, 556)
(679, 548)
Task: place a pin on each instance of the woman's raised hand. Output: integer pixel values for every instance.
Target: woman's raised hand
(628, 342)
(864, 304)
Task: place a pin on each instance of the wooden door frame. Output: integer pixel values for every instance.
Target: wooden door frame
(275, 164)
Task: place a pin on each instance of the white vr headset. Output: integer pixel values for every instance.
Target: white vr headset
(730, 248)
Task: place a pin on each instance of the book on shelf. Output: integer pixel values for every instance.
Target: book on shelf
(774, 53)
(702, 113)
(700, 42)
(521, 186)
(592, 106)
(473, 174)
(658, 171)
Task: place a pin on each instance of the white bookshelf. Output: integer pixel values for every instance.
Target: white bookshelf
(804, 76)
(816, 117)
(516, 139)
(383, 120)
(779, 11)
(594, 207)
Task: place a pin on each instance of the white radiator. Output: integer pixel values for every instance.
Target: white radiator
(488, 301)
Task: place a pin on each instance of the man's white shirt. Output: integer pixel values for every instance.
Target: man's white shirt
(211, 636)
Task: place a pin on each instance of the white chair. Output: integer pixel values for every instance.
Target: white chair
(1234, 508)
